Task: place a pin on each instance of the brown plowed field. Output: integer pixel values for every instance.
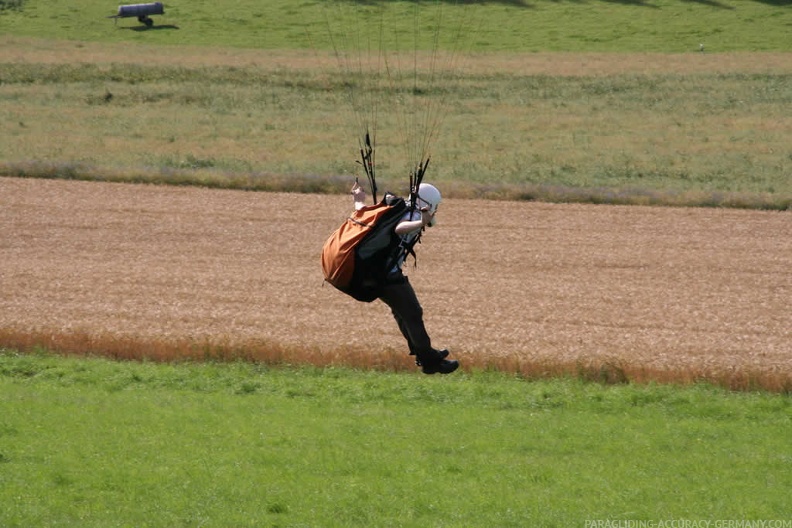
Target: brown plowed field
(651, 293)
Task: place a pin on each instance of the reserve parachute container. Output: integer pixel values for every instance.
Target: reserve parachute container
(357, 257)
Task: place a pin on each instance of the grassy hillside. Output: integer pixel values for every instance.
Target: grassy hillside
(545, 110)
(504, 25)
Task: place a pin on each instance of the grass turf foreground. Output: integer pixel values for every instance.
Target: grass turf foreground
(94, 442)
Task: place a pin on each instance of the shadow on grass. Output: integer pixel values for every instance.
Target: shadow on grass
(640, 3)
(711, 3)
(150, 28)
(777, 3)
(534, 3)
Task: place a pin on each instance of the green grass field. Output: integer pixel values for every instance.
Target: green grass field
(94, 442)
(690, 139)
(249, 95)
(668, 26)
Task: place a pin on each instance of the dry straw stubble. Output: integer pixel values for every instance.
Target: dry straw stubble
(603, 292)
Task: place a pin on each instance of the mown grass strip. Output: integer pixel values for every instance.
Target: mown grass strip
(514, 25)
(77, 343)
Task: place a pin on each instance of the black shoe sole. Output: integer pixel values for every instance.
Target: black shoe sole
(441, 355)
(444, 367)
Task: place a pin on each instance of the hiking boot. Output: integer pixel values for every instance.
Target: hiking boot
(435, 361)
(434, 355)
(444, 366)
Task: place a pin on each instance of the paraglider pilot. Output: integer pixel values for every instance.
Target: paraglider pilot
(398, 293)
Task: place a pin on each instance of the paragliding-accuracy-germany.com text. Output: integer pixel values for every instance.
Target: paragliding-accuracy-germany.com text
(688, 523)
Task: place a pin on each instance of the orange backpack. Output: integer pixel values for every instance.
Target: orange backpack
(358, 255)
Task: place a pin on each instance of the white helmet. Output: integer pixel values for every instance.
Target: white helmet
(429, 196)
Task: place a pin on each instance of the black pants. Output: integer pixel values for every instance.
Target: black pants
(399, 295)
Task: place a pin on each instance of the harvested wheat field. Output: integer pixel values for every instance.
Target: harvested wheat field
(608, 292)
